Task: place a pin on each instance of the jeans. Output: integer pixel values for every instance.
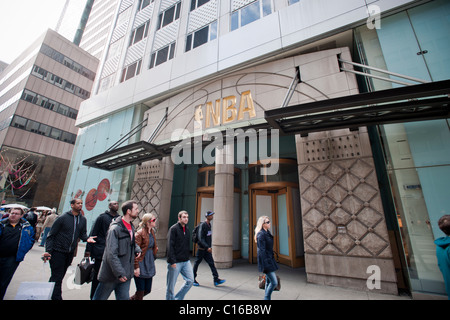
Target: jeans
(271, 284)
(121, 289)
(185, 268)
(44, 236)
(8, 266)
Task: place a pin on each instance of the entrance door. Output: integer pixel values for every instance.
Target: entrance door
(205, 202)
(283, 209)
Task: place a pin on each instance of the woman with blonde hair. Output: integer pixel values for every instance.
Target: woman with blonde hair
(266, 259)
(146, 240)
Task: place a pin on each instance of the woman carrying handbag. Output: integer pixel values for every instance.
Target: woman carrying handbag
(266, 259)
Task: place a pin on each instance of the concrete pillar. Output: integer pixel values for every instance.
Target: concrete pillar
(152, 188)
(222, 230)
(344, 227)
(162, 224)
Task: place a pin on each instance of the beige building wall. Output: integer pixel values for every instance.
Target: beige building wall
(344, 228)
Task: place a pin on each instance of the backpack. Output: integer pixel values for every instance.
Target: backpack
(195, 237)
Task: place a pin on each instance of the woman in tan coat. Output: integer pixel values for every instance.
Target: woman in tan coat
(146, 240)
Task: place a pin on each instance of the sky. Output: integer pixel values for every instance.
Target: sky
(23, 21)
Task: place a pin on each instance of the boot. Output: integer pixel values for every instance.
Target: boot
(139, 295)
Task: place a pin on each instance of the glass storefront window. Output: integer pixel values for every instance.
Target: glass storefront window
(417, 154)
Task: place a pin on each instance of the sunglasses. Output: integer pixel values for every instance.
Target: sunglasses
(153, 220)
(266, 222)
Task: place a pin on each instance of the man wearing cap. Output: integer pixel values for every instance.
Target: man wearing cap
(204, 250)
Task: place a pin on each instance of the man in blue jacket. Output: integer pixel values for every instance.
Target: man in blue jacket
(443, 251)
(16, 239)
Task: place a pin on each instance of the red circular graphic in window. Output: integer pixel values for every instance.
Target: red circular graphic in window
(91, 200)
(103, 189)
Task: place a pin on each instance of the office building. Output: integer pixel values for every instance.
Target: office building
(40, 94)
(330, 117)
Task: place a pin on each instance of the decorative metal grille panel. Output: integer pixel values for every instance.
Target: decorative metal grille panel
(136, 52)
(237, 4)
(203, 16)
(144, 15)
(166, 35)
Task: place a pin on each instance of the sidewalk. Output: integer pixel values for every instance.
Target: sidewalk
(241, 283)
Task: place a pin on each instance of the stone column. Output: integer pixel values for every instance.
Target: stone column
(344, 228)
(152, 188)
(222, 229)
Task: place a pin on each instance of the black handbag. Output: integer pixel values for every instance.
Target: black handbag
(84, 272)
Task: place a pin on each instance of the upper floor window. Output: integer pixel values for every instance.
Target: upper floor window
(197, 3)
(131, 71)
(50, 104)
(169, 15)
(162, 55)
(250, 13)
(139, 33)
(293, 1)
(202, 36)
(42, 129)
(57, 56)
(59, 82)
(143, 4)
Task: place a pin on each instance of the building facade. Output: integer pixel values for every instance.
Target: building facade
(201, 77)
(40, 94)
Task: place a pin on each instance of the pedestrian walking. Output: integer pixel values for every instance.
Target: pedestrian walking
(146, 240)
(62, 240)
(204, 249)
(32, 218)
(178, 245)
(16, 239)
(48, 223)
(100, 230)
(117, 266)
(266, 259)
(40, 223)
(443, 251)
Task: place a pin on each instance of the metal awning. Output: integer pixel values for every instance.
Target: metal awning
(411, 103)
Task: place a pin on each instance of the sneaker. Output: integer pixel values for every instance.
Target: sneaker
(218, 282)
(195, 283)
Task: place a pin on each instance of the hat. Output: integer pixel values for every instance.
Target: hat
(209, 213)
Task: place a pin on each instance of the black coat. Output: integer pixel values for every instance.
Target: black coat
(65, 232)
(100, 230)
(178, 244)
(266, 259)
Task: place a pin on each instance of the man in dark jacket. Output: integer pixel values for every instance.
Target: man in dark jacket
(117, 266)
(100, 229)
(16, 239)
(62, 240)
(178, 245)
(204, 249)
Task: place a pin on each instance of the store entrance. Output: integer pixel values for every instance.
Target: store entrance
(280, 201)
(205, 202)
